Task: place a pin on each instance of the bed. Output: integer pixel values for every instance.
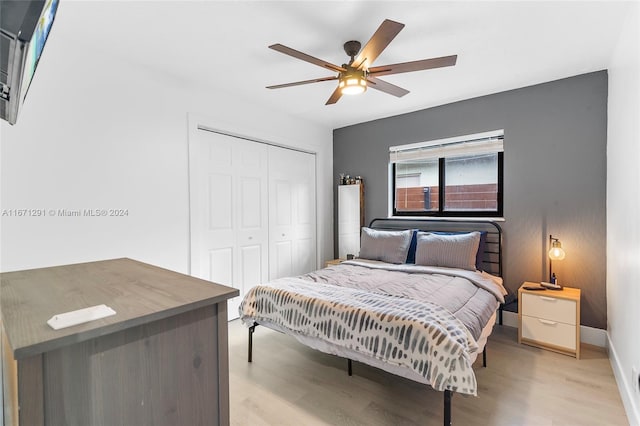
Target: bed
(419, 302)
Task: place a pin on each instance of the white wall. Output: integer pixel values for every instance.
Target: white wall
(623, 211)
(97, 132)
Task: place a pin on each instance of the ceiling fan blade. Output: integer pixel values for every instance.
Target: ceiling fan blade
(335, 96)
(299, 83)
(307, 58)
(424, 64)
(383, 86)
(386, 32)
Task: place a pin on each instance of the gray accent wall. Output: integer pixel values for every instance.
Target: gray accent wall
(555, 141)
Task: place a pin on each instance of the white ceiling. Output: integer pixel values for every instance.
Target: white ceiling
(222, 46)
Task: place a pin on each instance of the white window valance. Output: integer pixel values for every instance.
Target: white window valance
(476, 144)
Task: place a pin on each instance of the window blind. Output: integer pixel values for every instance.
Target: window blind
(477, 144)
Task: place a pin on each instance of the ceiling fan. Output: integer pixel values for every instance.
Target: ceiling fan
(358, 74)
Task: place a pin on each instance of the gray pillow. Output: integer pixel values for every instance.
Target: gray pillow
(450, 251)
(388, 246)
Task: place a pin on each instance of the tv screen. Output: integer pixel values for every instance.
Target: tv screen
(24, 29)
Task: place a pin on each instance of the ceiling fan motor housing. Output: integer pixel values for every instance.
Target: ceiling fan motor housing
(352, 48)
(353, 72)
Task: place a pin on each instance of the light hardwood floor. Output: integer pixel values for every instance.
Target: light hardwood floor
(290, 384)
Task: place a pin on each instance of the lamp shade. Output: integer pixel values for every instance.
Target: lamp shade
(353, 81)
(353, 85)
(556, 252)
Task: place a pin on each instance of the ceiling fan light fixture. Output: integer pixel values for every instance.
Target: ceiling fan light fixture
(353, 86)
(353, 83)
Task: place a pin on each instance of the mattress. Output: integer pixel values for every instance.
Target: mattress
(471, 296)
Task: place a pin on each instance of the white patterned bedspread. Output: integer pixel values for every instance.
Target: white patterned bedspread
(380, 321)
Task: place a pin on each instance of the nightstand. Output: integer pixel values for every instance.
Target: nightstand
(333, 262)
(550, 319)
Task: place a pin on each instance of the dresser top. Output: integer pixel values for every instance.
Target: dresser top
(139, 293)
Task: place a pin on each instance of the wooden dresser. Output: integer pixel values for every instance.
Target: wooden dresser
(162, 359)
(550, 319)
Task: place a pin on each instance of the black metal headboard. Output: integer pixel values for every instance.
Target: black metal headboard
(492, 256)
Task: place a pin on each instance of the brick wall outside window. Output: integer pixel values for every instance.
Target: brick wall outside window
(458, 197)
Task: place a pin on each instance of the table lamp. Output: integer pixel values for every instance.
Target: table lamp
(555, 253)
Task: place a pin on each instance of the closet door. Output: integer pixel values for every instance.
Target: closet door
(292, 217)
(229, 212)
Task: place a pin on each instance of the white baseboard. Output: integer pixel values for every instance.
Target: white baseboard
(589, 335)
(626, 391)
(593, 336)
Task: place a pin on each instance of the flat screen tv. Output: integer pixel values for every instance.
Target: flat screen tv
(24, 28)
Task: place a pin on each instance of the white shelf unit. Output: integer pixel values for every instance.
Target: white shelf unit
(350, 219)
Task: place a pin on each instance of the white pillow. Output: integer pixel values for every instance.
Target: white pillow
(388, 246)
(450, 251)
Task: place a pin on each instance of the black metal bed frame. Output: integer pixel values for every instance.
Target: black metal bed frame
(492, 260)
(447, 393)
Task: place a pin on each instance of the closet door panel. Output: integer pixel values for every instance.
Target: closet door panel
(305, 216)
(282, 197)
(220, 202)
(251, 168)
(305, 204)
(280, 259)
(251, 274)
(305, 252)
(250, 203)
(291, 212)
(221, 265)
(229, 212)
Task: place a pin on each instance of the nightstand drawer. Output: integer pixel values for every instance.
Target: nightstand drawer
(549, 308)
(549, 332)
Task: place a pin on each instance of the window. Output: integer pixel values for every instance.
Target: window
(459, 176)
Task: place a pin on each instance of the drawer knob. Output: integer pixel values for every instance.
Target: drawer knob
(548, 299)
(547, 322)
